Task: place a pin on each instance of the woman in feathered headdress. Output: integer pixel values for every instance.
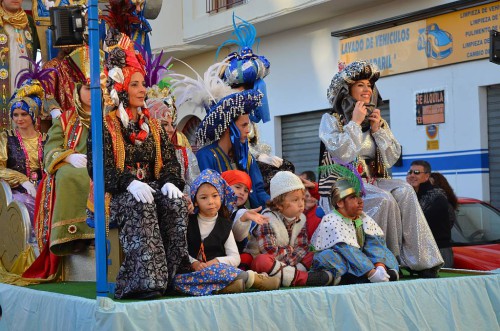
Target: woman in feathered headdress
(354, 132)
(142, 179)
(347, 241)
(21, 149)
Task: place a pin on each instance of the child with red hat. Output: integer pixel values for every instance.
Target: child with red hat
(244, 220)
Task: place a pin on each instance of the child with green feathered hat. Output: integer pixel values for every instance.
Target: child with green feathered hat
(348, 242)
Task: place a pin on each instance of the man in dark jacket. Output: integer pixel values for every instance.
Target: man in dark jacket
(434, 204)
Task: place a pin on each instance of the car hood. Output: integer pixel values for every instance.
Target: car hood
(480, 257)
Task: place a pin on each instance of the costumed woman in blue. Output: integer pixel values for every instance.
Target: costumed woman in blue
(21, 149)
(246, 70)
(226, 125)
(347, 241)
(224, 130)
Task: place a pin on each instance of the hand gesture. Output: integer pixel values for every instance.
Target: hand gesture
(307, 183)
(359, 113)
(271, 160)
(254, 215)
(190, 206)
(375, 120)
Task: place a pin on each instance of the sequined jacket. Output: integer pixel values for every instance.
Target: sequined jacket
(349, 144)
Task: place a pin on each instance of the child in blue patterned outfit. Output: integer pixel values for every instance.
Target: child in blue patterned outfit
(347, 241)
(213, 253)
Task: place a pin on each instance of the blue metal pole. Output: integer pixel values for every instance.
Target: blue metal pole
(97, 151)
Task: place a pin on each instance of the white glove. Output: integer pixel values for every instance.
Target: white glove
(380, 275)
(30, 188)
(172, 191)
(271, 160)
(48, 4)
(141, 191)
(77, 160)
(55, 113)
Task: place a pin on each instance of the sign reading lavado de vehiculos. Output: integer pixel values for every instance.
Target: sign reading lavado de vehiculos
(451, 38)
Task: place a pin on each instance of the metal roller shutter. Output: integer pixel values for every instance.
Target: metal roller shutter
(493, 105)
(300, 141)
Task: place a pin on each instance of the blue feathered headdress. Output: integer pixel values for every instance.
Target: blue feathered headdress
(245, 67)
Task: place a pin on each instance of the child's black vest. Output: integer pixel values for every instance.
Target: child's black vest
(214, 243)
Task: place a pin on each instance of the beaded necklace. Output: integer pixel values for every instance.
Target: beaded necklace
(33, 176)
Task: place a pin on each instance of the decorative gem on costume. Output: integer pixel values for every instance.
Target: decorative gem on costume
(27, 34)
(228, 198)
(3, 39)
(246, 68)
(72, 229)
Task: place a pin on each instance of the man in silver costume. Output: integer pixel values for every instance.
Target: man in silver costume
(354, 132)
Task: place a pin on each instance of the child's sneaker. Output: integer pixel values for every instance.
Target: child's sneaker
(264, 282)
(319, 278)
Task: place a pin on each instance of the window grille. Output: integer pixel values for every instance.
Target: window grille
(214, 6)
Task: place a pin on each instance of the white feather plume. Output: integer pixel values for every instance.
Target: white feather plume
(200, 91)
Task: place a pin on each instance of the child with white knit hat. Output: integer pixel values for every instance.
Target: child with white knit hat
(280, 247)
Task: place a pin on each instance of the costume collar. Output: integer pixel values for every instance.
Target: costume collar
(357, 222)
(18, 20)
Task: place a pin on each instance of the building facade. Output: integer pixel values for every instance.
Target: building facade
(442, 93)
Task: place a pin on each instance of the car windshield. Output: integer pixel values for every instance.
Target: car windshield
(476, 223)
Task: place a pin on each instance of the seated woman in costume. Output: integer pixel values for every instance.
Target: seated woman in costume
(142, 178)
(164, 110)
(65, 158)
(21, 149)
(354, 132)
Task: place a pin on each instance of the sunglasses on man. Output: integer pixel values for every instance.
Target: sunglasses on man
(416, 172)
